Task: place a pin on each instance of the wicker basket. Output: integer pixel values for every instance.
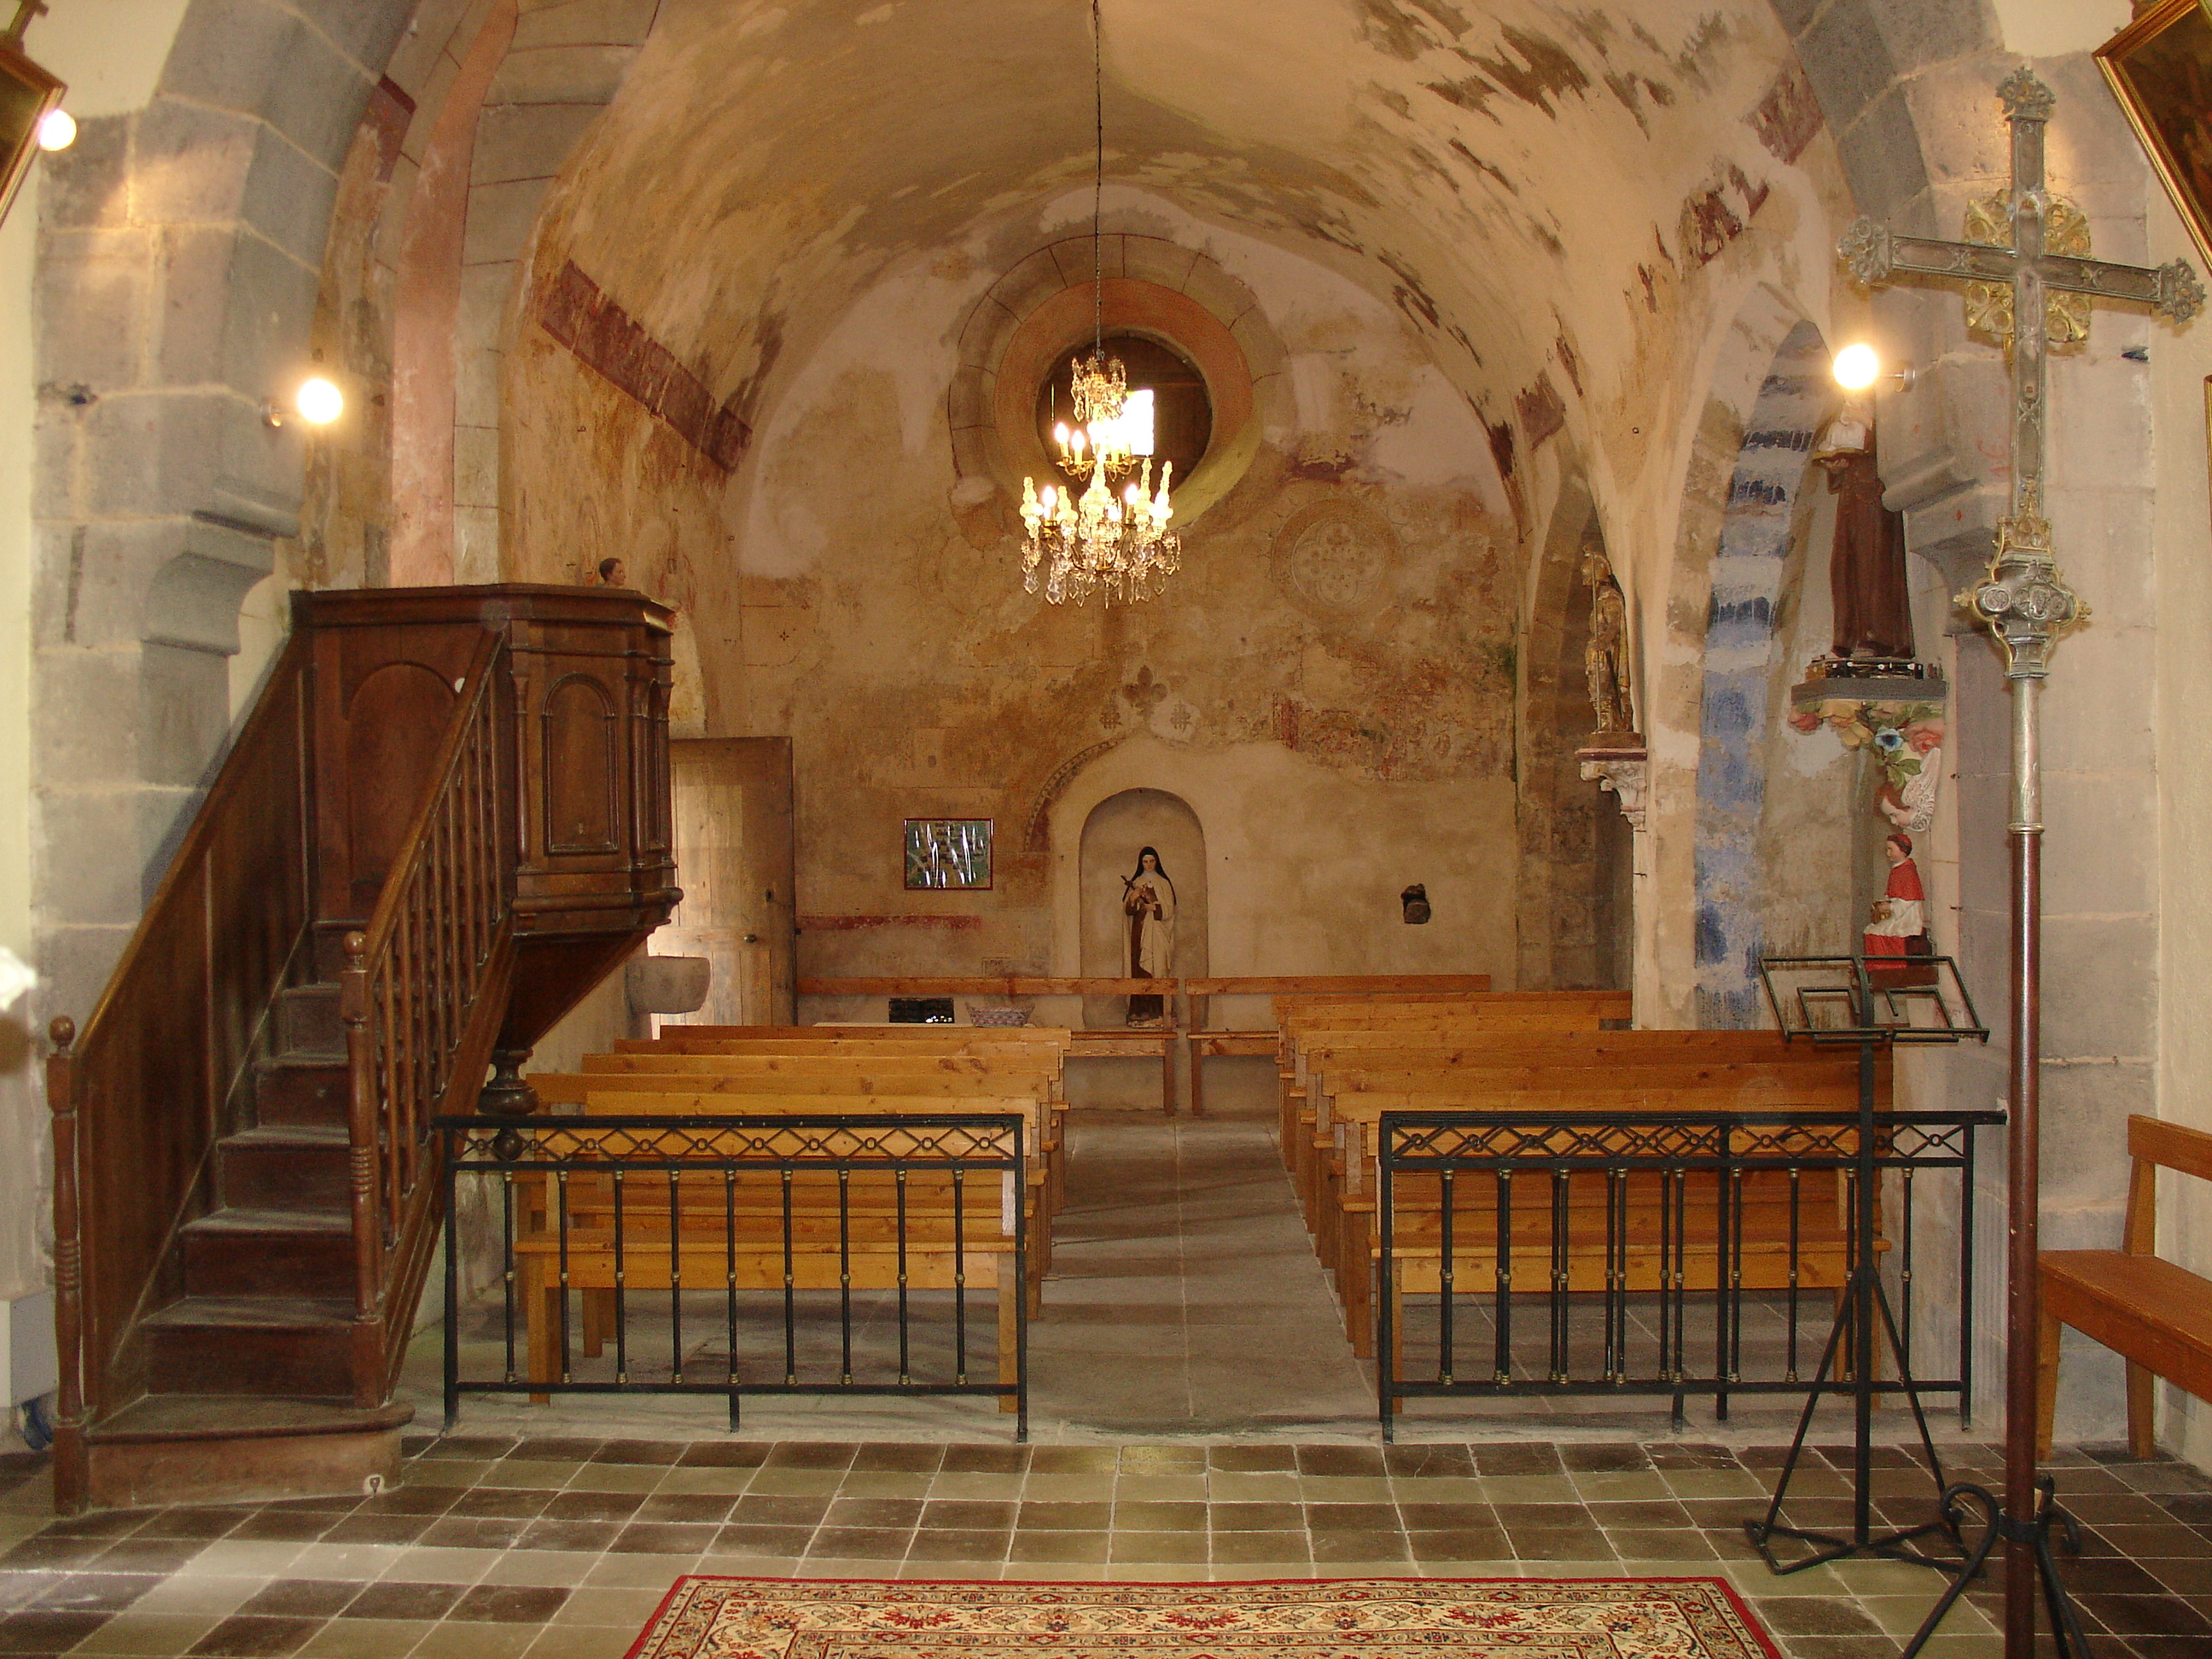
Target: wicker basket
(997, 1016)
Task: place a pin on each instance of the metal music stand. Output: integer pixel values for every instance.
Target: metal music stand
(1873, 1002)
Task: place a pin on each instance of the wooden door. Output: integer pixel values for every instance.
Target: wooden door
(734, 861)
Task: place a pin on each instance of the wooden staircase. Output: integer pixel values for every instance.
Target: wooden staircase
(445, 821)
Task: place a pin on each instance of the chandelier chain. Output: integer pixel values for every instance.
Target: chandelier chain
(1097, 181)
(1116, 546)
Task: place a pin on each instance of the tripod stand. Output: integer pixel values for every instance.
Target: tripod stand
(1837, 999)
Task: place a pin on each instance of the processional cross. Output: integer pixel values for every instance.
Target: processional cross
(2025, 602)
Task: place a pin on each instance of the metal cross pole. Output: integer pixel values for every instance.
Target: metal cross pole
(2025, 602)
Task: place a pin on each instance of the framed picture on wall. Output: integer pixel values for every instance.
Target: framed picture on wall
(948, 854)
(2161, 70)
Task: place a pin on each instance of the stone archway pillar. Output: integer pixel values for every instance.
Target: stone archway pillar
(181, 252)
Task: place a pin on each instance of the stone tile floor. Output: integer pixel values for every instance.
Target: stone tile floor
(502, 1548)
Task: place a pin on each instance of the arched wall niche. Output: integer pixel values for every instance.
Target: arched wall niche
(1575, 920)
(1312, 896)
(1116, 830)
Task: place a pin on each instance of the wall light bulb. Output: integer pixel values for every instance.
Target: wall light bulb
(56, 130)
(1857, 366)
(319, 401)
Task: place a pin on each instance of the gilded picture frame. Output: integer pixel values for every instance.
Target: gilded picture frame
(2159, 68)
(27, 93)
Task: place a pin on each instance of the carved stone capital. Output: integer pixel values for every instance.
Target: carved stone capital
(1624, 768)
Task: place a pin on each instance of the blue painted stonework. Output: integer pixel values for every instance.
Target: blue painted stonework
(1739, 644)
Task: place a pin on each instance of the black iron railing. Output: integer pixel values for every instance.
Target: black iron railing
(1659, 1253)
(849, 1254)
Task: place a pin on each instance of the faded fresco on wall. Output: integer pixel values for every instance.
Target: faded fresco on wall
(1351, 602)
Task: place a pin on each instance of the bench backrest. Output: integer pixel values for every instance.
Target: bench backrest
(984, 1044)
(866, 1034)
(1281, 988)
(556, 1088)
(968, 1065)
(1365, 1079)
(2155, 1145)
(1613, 1003)
(1669, 1047)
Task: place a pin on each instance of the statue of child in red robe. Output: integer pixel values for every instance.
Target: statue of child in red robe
(1899, 916)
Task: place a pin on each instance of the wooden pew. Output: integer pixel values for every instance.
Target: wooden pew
(812, 1071)
(1205, 1041)
(770, 1079)
(1351, 1105)
(1351, 1077)
(1349, 1242)
(1102, 1042)
(844, 1235)
(705, 1210)
(2154, 1313)
(1313, 1027)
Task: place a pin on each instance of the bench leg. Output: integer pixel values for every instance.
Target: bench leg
(599, 1320)
(1355, 1285)
(2143, 1412)
(1197, 1080)
(2047, 1381)
(541, 1315)
(1167, 1078)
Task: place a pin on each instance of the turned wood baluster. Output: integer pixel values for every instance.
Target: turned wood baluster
(388, 1079)
(360, 1135)
(68, 1275)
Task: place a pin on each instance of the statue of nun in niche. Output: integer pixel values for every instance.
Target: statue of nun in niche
(1148, 901)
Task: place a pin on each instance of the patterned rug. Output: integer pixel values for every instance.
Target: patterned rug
(1306, 1619)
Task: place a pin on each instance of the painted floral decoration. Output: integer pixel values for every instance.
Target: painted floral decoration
(1901, 734)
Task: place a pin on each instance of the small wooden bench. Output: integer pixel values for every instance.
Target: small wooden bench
(862, 1235)
(2154, 1314)
(881, 1085)
(1099, 1042)
(1207, 1041)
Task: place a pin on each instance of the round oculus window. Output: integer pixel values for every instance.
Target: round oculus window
(1182, 413)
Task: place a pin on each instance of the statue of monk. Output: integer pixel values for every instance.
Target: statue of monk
(1866, 561)
(1605, 658)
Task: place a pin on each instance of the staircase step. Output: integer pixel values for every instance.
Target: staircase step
(308, 1021)
(269, 1253)
(302, 1166)
(293, 1091)
(240, 1417)
(256, 1345)
(238, 1448)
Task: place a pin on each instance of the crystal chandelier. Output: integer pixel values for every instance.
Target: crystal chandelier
(1115, 546)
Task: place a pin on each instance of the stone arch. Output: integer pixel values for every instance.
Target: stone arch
(1575, 923)
(1735, 715)
(231, 171)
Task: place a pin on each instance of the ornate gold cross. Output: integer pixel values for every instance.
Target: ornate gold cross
(2024, 601)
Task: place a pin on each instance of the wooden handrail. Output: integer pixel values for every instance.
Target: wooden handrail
(139, 1097)
(413, 989)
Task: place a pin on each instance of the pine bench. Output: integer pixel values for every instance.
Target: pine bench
(2154, 1313)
